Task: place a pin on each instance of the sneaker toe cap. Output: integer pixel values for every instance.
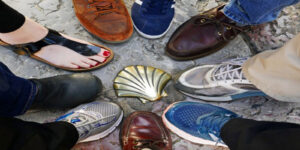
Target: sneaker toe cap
(151, 26)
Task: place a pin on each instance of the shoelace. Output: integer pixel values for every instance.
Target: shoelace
(212, 123)
(148, 144)
(103, 6)
(231, 70)
(157, 6)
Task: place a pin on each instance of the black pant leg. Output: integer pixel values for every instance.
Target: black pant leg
(21, 135)
(10, 19)
(245, 134)
(16, 94)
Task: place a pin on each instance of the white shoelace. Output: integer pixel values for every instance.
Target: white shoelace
(230, 70)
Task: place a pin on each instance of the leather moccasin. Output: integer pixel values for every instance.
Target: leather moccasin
(145, 130)
(108, 20)
(201, 35)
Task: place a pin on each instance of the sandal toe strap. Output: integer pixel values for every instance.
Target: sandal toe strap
(55, 38)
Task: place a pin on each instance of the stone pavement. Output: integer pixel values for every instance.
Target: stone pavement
(59, 15)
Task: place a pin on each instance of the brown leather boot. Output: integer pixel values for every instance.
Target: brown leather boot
(145, 130)
(108, 20)
(202, 35)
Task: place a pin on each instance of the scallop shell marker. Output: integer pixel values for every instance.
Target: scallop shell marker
(145, 82)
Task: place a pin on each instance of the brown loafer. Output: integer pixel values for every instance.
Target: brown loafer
(108, 20)
(145, 130)
(202, 35)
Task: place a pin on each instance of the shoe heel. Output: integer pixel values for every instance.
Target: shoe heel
(20, 51)
(3, 43)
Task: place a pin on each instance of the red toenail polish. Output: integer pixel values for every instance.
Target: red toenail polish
(106, 53)
(78, 67)
(97, 64)
(91, 66)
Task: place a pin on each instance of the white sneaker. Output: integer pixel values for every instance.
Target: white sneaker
(217, 82)
(94, 120)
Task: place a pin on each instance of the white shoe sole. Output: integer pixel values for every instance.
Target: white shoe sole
(225, 98)
(152, 36)
(185, 135)
(206, 98)
(105, 133)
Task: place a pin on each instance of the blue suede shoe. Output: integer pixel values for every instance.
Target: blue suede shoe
(152, 18)
(197, 122)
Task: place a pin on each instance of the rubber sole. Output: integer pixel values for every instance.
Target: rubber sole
(225, 98)
(104, 133)
(152, 36)
(185, 135)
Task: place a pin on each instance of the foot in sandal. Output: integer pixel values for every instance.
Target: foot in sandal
(56, 49)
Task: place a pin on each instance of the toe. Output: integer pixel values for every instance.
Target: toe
(70, 65)
(82, 64)
(90, 61)
(104, 53)
(98, 58)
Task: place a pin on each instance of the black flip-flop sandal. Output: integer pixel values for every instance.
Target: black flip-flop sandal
(55, 38)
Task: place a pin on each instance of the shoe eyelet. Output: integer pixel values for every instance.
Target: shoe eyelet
(211, 16)
(228, 28)
(202, 20)
(219, 33)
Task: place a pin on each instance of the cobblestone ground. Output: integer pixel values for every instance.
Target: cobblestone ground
(59, 15)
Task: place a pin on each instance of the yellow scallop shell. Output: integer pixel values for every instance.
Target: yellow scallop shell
(145, 82)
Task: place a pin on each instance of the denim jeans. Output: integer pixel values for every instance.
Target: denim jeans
(252, 12)
(16, 94)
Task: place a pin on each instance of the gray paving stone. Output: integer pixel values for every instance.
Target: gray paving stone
(59, 15)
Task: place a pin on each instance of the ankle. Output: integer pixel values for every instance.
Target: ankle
(24, 33)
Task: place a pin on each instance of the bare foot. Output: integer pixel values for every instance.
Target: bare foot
(55, 54)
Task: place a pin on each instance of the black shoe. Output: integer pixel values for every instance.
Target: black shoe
(66, 91)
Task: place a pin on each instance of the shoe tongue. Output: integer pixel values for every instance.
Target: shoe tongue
(213, 122)
(78, 118)
(81, 119)
(155, 7)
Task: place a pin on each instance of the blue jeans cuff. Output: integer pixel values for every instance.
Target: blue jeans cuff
(31, 97)
(255, 12)
(231, 10)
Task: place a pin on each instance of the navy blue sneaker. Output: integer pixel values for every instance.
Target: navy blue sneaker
(197, 122)
(152, 18)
